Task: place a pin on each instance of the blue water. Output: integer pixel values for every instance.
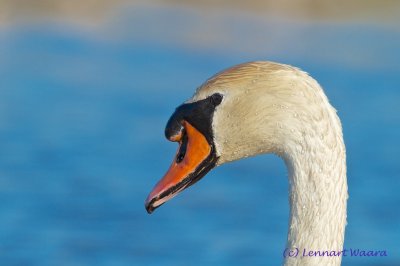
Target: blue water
(81, 142)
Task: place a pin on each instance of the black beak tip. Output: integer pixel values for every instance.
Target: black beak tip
(149, 206)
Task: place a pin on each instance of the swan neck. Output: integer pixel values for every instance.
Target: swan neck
(318, 195)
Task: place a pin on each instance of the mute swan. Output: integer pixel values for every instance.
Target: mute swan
(266, 107)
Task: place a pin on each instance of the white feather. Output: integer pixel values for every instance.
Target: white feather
(275, 108)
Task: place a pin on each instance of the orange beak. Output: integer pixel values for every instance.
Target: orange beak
(192, 161)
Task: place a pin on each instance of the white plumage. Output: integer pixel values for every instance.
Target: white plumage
(275, 108)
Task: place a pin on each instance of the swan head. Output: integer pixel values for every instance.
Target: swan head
(246, 110)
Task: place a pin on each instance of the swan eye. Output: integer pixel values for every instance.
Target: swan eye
(216, 99)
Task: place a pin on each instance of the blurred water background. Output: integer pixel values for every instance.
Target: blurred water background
(87, 87)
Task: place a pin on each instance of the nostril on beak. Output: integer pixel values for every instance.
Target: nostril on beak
(180, 157)
(182, 148)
